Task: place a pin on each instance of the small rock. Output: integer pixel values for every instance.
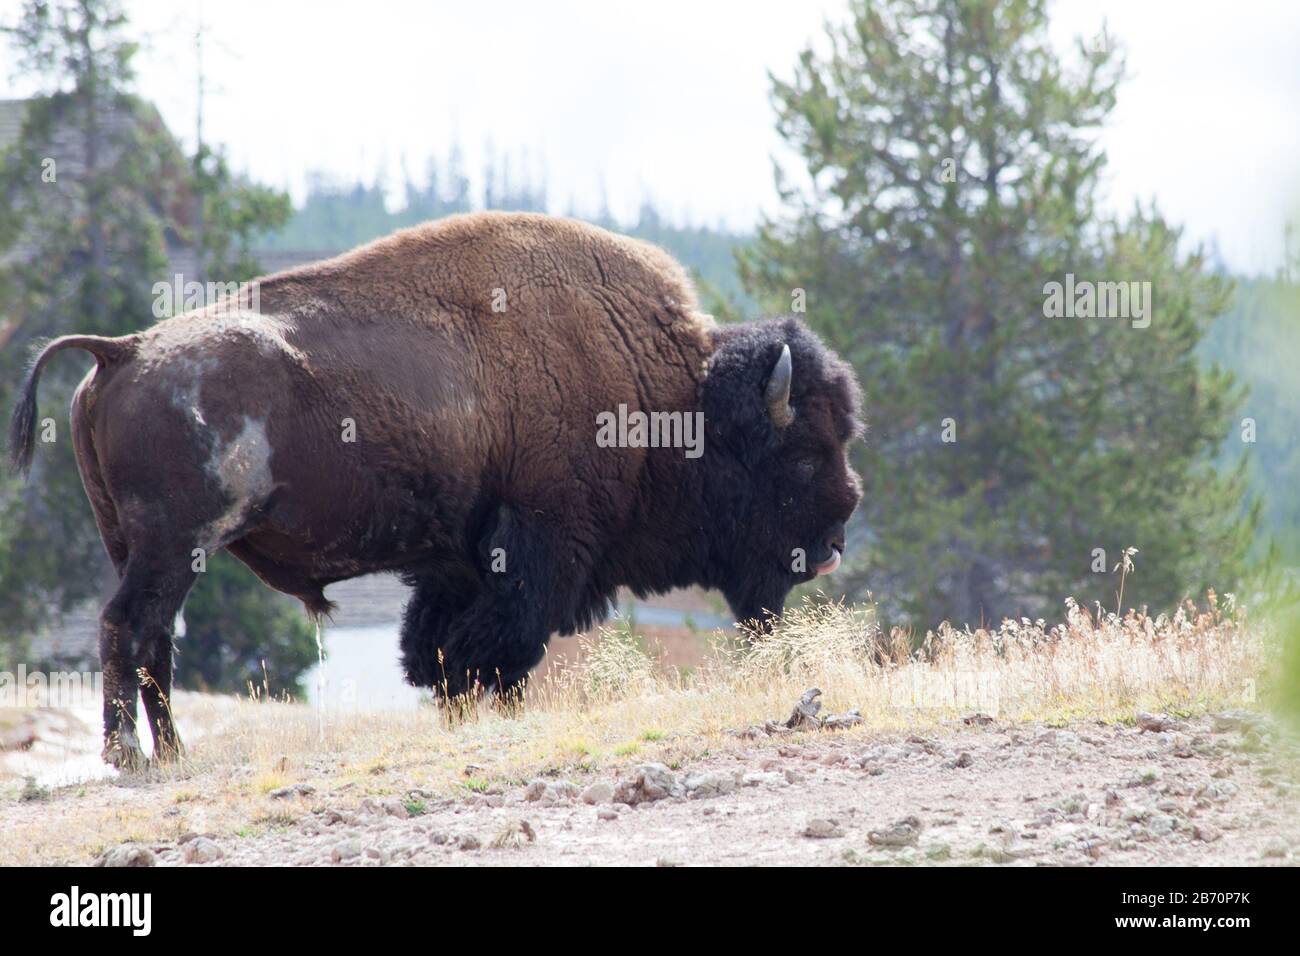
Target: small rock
(964, 759)
(128, 854)
(701, 786)
(850, 718)
(1161, 824)
(1206, 833)
(1156, 723)
(1008, 852)
(550, 793)
(1276, 850)
(535, 790)
(1219, 792)
(468, 841)
(902, 833)
(606, 813)
(293, 790)
(819, 828)
(393, 808)
(763, 778)
(598, 792)
(202, 850)
(650, 782)
(347, 850)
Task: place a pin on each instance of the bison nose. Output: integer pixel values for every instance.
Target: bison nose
(834, 551)
(835, 538)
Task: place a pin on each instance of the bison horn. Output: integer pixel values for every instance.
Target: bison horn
(778, 390)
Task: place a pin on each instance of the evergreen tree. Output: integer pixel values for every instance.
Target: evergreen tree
(91, 196)
(950, 177)
(82, 194)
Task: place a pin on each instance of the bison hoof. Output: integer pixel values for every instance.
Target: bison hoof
(124, 753)
(168, 750)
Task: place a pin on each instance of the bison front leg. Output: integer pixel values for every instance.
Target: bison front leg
(501, 634)
(435, 603)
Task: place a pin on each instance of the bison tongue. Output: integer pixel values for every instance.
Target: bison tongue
(830, 564)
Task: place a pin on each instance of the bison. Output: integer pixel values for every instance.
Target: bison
(428, 404)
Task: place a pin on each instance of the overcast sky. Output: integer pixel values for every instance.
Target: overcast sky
(669, 99)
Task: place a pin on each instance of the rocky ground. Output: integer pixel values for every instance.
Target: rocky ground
(1214, 790)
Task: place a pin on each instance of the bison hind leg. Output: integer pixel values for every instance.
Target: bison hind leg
(135, 646)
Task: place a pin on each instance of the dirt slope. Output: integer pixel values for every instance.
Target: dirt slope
(1215, 790)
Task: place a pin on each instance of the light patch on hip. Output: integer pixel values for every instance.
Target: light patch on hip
(242, 466)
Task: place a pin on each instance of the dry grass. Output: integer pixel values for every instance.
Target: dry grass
(618, 706)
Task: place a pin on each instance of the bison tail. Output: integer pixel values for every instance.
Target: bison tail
(22, 427)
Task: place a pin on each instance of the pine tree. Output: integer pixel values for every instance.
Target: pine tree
(949, 176)
(89, 197)
(81, 199)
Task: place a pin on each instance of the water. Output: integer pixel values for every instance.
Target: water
(360, 672)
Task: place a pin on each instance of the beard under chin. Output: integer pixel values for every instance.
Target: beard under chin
(757, 607)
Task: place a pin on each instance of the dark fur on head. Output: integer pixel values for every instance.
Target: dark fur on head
(774, 490)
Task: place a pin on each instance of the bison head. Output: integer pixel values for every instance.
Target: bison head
(781, 411)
